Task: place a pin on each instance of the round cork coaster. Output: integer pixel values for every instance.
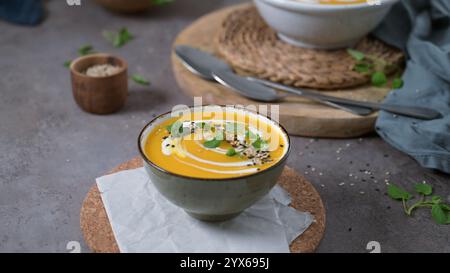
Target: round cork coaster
(253, 48)
(99, 236)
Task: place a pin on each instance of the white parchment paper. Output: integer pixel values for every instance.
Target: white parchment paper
(144, 221)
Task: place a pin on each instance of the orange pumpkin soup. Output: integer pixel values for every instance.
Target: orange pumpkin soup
(216, 146)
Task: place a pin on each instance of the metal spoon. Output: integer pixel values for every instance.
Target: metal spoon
(209, 67)
(203, 65)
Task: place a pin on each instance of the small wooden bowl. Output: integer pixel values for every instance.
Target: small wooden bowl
(99, 95)
(126, 6)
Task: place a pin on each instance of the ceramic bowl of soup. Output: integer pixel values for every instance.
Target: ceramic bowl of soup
(213, 163)
(323, 24)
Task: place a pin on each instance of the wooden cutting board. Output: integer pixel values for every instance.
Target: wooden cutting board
(299, 116)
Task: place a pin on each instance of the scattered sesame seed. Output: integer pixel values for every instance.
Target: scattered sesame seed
(320, 174)
(338, 158)
(341, 184)
(361, 192)
(352, 184)
(350, 174)
(306, 172)
(388, 173)
(313, 169)
(322, 185)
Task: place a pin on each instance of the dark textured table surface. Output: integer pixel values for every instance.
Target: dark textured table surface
(51, 151)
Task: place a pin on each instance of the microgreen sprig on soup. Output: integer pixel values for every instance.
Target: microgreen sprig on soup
(244, 143)
(375, 68)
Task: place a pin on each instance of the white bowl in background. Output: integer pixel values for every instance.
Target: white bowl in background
(320, 25)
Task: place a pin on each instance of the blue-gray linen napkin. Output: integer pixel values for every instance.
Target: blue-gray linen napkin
(422, 29)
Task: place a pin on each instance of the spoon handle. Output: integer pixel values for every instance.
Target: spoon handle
(411, 111)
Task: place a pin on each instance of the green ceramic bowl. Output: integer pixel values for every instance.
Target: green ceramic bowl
(211, 199)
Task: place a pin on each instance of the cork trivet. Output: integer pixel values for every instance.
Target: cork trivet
(99, 236)
(253, 48)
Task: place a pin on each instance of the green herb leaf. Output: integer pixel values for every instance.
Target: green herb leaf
(379, 79)
(439, 214)
(231, 152)
(397, 83)
(85, 50)
(169, 128)
(363, 68)
(257, 144)
(161, 2)
(67, 64)
(436, 199)
(445, 207)
(398, 193)
(213, 143)
(119, 38)
(140, 80)
(177, 129)
(357, 55)
(251, 136)
(424, 189)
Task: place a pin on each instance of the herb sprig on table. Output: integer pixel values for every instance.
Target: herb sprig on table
(374, 67)
(440, 211)
(118, 39)
(139, 79)
(82, 51)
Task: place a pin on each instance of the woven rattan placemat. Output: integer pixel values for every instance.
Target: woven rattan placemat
(253, 48)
